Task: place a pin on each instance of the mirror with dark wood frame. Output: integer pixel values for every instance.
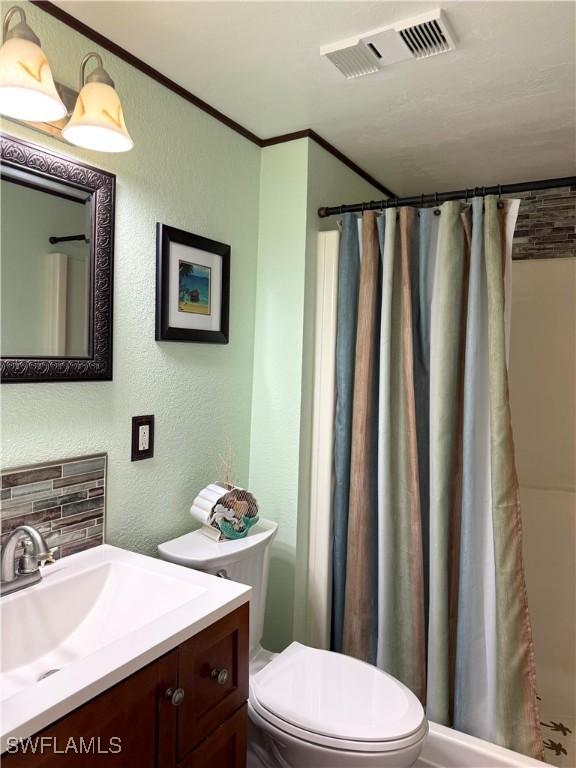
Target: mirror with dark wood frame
(57, 243)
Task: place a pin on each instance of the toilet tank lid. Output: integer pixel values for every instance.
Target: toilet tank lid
(195, 550)
(333, 695)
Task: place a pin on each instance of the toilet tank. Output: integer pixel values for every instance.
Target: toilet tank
(244, 560)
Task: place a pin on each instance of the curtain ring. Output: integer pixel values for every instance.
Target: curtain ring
(499, 191)
(466, 193)
(435, 198)
(483, 191)
(396, 202)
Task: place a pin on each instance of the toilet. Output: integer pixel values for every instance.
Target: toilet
(308, 708)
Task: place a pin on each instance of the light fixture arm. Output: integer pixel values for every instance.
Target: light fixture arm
(21, 30)
(98, 75)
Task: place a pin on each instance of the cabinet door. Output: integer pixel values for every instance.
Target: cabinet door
(131, 725)
(213, 671)
(224, 748)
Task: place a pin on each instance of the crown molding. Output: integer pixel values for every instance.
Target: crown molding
(154, 74)
(308, 133)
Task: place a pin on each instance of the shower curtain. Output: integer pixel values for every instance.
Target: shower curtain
(428, 576)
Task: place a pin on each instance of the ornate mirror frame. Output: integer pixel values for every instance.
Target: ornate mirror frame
(101, 185)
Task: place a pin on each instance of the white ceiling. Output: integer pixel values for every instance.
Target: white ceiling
(499, 109)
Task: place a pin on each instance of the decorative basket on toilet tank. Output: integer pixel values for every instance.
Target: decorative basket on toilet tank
(225, 511)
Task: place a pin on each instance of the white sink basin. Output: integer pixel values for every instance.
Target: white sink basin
(46, 629)
(95, 618)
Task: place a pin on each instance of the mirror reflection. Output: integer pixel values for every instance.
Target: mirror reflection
(46, 267)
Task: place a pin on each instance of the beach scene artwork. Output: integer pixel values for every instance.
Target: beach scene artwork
(194, 288)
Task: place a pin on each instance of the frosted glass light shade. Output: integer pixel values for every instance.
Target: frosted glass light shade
(27, 90)
(97, 121)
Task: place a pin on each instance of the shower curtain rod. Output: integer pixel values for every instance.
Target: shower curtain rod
(441, 197)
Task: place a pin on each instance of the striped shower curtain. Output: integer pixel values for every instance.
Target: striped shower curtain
(428, 576)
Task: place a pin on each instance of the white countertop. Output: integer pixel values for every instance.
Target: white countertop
(98, 616)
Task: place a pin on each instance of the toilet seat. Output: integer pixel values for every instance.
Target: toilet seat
(337, 702)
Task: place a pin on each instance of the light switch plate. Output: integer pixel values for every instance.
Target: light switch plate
(142, 437)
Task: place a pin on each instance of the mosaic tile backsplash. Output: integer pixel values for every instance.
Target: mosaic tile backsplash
(64, 500)
(546, 226)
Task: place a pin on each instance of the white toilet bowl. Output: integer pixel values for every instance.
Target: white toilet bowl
(308, 708)
(315, 709)
(272, 748)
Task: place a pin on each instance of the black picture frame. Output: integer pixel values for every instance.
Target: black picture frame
(41, 164)
(165, 236)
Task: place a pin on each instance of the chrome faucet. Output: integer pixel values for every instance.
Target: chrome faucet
(15, 575)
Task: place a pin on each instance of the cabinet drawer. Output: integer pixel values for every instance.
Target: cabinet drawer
(213, 671)
(224, 748)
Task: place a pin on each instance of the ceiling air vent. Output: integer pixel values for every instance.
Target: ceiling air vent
(354, 59)
(427, 37)
(416, 38)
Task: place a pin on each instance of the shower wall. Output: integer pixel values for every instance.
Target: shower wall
(546, 227)
(543, 396)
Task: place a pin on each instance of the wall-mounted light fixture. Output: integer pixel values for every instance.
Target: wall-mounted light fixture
(28, 93)
(97, 121)
(27, 90)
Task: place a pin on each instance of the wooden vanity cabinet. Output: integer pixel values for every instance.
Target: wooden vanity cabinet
(134, 711)
(226, 746)
(145, 722)
(213, 671)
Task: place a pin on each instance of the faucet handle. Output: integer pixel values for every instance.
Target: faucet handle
(31, 561)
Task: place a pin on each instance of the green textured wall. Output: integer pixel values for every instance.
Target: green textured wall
(192, 172)
(296, 178)
(275, 439)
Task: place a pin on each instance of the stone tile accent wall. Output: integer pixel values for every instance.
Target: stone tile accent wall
(546, 227)
(64, 500)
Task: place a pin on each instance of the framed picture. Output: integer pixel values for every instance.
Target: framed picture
(192, 287)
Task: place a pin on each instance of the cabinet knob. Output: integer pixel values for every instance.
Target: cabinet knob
(220, 675)
(176, 696)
